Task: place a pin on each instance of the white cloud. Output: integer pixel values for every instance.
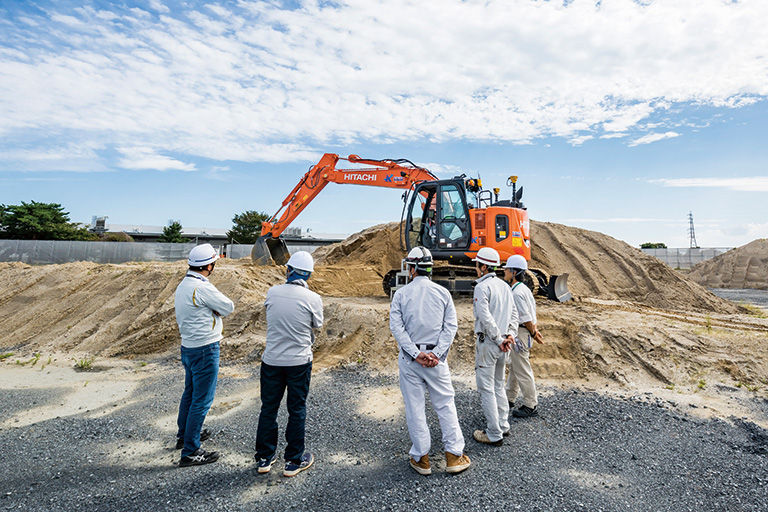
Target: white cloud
(148, 158)
(653, 137)
(746, 184)
(581, 139)
(157, 5)
(444, 169)
(253, 81)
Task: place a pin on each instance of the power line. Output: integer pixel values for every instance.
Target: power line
(691, 232)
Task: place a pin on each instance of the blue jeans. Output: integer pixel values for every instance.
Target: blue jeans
(274, 381)
(201, 365)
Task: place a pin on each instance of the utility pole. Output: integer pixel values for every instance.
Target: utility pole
(691, 232)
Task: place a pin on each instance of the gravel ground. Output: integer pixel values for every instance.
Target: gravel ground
(585, 452)
(757, 297)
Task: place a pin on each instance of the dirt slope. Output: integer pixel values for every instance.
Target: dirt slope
(743, 267)
(599, 266)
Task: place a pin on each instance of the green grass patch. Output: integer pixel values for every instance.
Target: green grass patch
(5, 356)
(84, 364)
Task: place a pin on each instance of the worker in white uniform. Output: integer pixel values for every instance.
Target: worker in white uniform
(293, 311)
(495, 327)
(199, 309)
(520, 375)
(422, 319)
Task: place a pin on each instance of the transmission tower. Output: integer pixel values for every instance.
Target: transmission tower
(691, 232)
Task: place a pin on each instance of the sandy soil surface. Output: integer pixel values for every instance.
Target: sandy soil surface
(636, 331)
(743, 267)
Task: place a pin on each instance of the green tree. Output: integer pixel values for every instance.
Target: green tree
(40, 221)
(246, 227)
(653, 245)
(172, 234)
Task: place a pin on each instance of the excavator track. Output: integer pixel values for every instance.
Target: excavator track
(460, 280)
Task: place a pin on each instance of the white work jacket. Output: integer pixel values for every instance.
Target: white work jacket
(293, 310)
(494, 308)
(422, 313)
(524, 302)
(199, 309)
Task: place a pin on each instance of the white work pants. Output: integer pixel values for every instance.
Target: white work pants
(415, 380)
(489, 375)
(521, 374)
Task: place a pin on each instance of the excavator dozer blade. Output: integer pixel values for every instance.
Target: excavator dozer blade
(268, 250)
(557, 288)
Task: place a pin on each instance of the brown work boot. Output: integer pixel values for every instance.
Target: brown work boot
(456, 463)
(422, 467)
(481, 437)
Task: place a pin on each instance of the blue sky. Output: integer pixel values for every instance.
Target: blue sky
(618, 116)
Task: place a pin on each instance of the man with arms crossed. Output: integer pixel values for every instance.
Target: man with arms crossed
(495, 327)
(199, 309)
(422, 319)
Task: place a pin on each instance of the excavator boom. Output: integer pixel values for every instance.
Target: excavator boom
(399, 174)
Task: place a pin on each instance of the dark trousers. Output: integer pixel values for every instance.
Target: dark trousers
(274, 381)
(201, 367)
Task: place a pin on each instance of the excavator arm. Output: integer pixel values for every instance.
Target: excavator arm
(398, 174)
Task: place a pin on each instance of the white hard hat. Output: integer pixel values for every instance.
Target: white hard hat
(202, 255)
(302, 260)
(488, 256)
(419, 256)
(516, 261)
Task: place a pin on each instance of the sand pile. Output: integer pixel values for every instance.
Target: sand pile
(377, 246)
(600, 266)
(113, 310)
(743, 267)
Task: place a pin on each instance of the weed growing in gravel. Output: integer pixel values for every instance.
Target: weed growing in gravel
(5, 356)
(35, 358)
(85, 364)
(702, 383)
(709, 324)
(670, 387)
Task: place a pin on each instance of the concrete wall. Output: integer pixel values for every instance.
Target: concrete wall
(685, 258)
(43, 252)
(40, 252)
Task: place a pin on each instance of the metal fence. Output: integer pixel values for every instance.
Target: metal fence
(41, 252)
(44, 252)
(685, 258)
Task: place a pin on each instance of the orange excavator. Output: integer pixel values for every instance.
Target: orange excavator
(453, 218)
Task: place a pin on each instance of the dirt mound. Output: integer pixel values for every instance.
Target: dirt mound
(602, 267)
(377, 246)
(743, 267)
(125, 309)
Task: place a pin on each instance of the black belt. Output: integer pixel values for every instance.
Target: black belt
(423, 347)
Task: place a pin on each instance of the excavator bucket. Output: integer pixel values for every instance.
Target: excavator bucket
(557, 288)
(268, 250)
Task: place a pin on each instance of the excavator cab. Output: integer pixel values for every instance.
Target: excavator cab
(438, 218)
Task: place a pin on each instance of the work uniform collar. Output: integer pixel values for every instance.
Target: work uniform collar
(419, 278)
(299, 282)
(489, 275)
(196, 275)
